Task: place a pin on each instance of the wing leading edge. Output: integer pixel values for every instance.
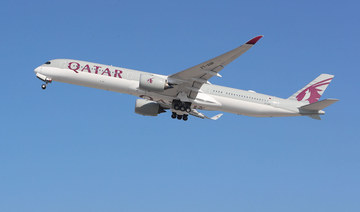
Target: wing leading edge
(190, 80)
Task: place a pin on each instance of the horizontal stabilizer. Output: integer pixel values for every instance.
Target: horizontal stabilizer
(319, 105)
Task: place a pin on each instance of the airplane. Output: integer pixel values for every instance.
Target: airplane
(188, 91)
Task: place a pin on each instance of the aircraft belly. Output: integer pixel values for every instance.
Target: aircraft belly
(92, 80)
(247, 108)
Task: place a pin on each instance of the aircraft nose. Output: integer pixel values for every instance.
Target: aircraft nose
(37, 70)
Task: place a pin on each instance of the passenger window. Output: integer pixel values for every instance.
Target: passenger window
(48, 62)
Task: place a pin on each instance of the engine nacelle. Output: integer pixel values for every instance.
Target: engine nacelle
(148, 108)
(150, 82)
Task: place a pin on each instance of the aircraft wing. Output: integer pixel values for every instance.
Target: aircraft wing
(190, 80)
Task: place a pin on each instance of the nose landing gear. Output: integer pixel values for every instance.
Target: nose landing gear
(44, 79)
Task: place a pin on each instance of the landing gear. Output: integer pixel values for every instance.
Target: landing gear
(43, 86)
(183, 106)
(182, 110)
(179, 117)
(45, 79)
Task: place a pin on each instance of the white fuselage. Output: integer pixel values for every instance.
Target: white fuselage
(210, 97)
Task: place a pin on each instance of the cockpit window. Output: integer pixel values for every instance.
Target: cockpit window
(48, 62)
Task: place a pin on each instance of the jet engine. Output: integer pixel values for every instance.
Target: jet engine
(149, 82)
(148, 108)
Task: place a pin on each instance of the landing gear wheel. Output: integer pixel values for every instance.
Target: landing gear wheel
(182, 106)
(185, 117)
(179, 117)
(43, 86)
(173, 115)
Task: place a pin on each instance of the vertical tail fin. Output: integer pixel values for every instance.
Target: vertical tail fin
(312, 92)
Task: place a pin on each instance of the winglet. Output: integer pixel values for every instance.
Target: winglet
(254, 40)
(216, 117)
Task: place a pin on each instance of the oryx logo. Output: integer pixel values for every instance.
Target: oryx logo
(313, 92)
(150, 80)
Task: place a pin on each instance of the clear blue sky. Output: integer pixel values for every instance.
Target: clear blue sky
(72, 148)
